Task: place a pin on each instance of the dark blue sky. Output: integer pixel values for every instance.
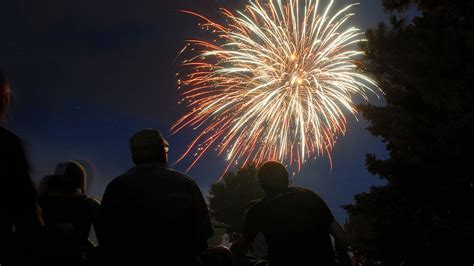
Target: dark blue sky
(88, 74)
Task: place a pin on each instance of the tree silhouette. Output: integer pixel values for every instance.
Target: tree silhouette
(230, 196)
(426, 69)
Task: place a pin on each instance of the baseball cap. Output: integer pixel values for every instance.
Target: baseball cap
(147, 144)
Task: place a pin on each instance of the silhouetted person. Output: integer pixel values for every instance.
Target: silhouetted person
(68, 214)
(153, 214)
(20, 222)
(296, 222)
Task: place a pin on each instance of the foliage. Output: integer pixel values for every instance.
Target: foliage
(229, 198)
(426, 70)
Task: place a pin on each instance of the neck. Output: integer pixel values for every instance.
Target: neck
(163, 163)
(277, 192)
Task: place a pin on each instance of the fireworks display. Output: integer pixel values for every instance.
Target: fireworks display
(275, 83)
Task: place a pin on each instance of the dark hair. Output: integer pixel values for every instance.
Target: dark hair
(49, 185)
(273, 177)
(148, 146)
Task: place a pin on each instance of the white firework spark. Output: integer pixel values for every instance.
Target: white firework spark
(276, 83)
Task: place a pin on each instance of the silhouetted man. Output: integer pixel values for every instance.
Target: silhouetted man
(153, 214)
(19, 217)
(296, 222)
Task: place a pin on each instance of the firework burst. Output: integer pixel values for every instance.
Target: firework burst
(275, 84)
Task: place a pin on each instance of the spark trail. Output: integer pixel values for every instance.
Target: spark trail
(275, 84)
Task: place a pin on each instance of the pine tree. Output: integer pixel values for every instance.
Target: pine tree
(426, 70)
(230, 197)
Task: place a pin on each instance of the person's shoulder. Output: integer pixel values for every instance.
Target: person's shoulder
(91, 201)
(305, 193)
(8, 137)
(302, 190)
(117, 182)
(6, 132)
(181, 176)
(13, 150)
(255, 206)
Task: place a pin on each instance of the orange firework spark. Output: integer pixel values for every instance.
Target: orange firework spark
(274, 85)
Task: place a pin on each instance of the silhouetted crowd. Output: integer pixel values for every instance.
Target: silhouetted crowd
(151, 215)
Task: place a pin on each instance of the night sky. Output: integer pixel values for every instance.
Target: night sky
(87, 74)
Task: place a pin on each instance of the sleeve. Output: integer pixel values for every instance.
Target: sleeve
(204, 229)
(251, 224)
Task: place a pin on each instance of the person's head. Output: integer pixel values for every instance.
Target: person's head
(149, 146)
(72, 177)
(273, 177)
(4, 95)
(49, 186)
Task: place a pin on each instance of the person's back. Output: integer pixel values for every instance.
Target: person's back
(153, 214)
(16, 188)
(19, 219)
(18, 223)
(80, 212)
(296, 226)
(296, 222)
